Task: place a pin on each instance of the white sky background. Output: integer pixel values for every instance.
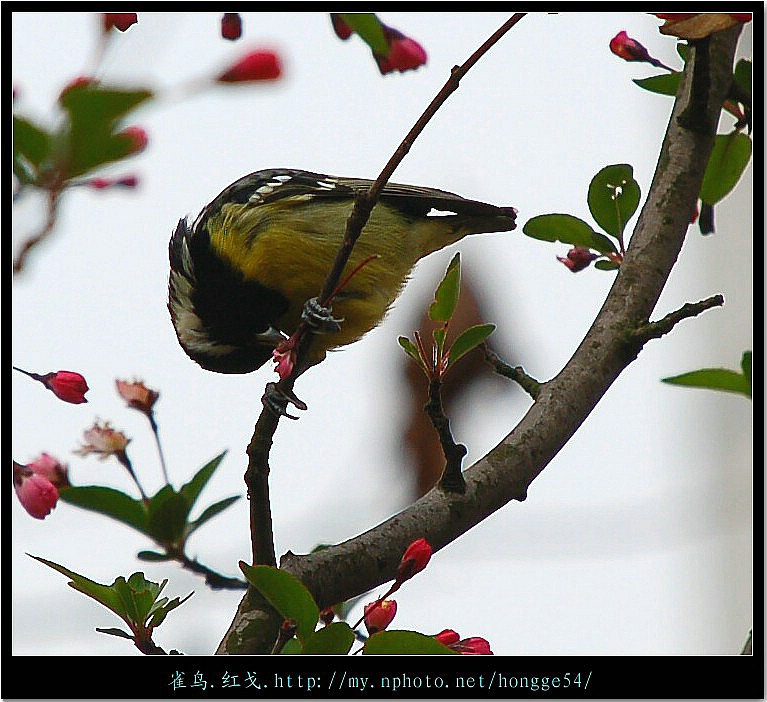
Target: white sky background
(636, 539)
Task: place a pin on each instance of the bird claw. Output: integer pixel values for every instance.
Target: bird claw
(319, 318)
(277, 399)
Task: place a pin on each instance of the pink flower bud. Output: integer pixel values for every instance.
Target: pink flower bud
(37, 494)
(119, 20)
(51, 469)
(414, 560)
(578, 258)
(379, 614)
(404, 53)
(257, 65)
(138, 138)
(231, 26)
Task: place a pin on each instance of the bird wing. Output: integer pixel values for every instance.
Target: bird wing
(263, 187)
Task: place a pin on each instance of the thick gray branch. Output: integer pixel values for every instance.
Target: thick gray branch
(504, 474)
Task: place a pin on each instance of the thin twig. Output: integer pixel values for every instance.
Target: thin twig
(214, 580)
(156, 433)
(655, 330)
(50, 222)
(516, 373)
(257, 472)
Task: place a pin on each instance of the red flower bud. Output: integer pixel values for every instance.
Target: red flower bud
(37, 494)
(631, 50)
(414, 560)
(257, 65)
(404, 53)
(342, 30)
(138, 138)
(473, 646)
(578, 258)
(231, 26)
(447, 637)
(67, 386)
(119, 20)
(379, 614)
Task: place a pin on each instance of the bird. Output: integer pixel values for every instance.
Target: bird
(242, 272)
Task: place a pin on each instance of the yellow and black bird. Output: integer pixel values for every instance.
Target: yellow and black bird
(240, 275)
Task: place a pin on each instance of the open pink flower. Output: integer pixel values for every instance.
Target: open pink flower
(137, 395)
(103, 441)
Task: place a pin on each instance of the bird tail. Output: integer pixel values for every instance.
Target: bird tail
(470, 217)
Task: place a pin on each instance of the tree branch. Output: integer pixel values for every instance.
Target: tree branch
(565, 401)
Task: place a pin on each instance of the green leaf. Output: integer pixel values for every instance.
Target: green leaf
(134, 600)
(287, 595)
(103, 594)
(191, 490)
(110, 502)
(152, 556)
(369, 28)
(468, 340)
(743, 74)
(745, 366)
(411, 350)
(606, 265)
(335, 639)
(116, 632)
(683, 49)
(210, 512)
(32, 146)
(569, 230)
(291, 648)
(728, 160)
(666, 84)
(405, 643)
(714, 379)
(446, 295)
(168, 514)
(614, 197)
(90, 136)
